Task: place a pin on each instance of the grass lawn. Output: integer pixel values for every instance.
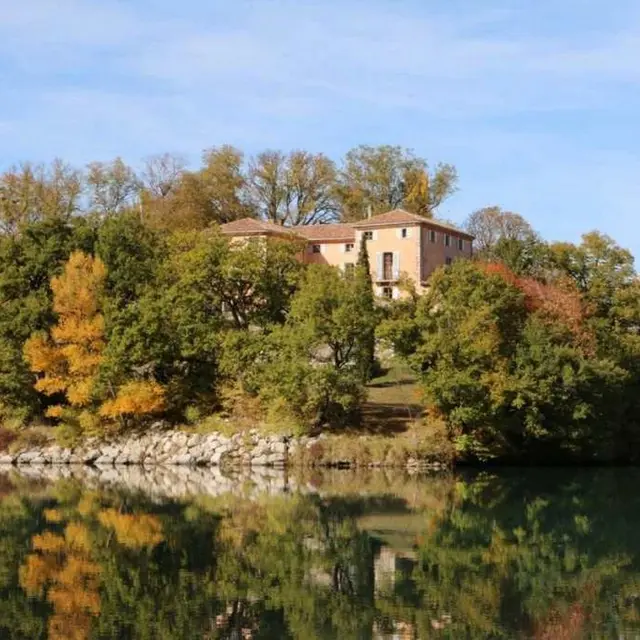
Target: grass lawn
(393, 402)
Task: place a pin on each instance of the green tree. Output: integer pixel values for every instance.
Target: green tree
(387, 177)
(512, 367)
(130, 251)
(366, 347)
(311, 367)
(28, 262)
(599, 267)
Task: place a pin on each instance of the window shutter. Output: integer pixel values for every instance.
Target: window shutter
(343, 248)
(398, 232)
(379, 268)
(396, 265)
(375, 235)
(408, 232)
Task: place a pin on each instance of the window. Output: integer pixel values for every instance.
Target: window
(404, 233)
(387, 292)
(432, 236)
(461, 244)
(368, 235)
(348, 248)
(349, 268)
(448, 261)
(316, 248)
(387, 266)
(447, 240)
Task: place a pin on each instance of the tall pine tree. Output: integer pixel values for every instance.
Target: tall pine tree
(365, 357)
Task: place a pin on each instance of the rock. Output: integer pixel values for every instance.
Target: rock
(279, 447)
(29, 457)
(184, 459)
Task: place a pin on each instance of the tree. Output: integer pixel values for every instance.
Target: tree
(599, 267)
(326, 312)
(131, 253)
(28, 262)
(510, 364)
(293, 189)
(34, 193)
(365, 300)
(113, 187)
(69, 357)
(161, 175)
(134, 399)
(491, 225)
(194, 200)
(387, 177)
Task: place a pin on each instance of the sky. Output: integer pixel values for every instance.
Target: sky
(536, 102)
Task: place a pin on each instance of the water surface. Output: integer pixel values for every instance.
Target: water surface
(545, 554)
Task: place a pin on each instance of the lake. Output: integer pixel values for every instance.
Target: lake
(152, 554)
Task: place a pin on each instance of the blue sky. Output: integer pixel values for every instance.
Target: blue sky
(535, 101)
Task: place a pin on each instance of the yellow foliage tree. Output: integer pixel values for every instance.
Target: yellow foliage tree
(62, 567)
(69, 357)
(134, 399)
(135, 531)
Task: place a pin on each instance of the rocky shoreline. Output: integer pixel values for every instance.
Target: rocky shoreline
(162, 447)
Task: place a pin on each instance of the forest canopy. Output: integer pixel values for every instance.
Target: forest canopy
(122, 303)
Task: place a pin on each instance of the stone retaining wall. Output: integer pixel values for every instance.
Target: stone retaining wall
(166, 448)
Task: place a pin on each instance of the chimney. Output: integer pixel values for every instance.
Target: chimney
(368, 212)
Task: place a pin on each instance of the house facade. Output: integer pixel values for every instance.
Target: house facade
(399, 244)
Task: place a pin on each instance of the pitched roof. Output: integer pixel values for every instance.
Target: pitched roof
(400, 216)
(336, 232)
(250, 226)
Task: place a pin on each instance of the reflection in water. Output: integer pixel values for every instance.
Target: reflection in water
(550, 554)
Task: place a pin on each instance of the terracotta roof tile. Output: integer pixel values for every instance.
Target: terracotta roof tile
(327, 232)
(335, 232)
(247, 226)
(400, 216)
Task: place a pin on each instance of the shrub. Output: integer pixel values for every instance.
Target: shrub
(7, 437)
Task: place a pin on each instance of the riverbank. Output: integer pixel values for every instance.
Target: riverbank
(161, 446)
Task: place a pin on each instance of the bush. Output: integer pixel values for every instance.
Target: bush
(7, 437)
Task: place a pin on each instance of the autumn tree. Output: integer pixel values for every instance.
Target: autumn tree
(63, 566)
(508, 363)
(379, 179)
(293, 189)
(112, 187)
(34, 193)
(28, 262)
(598, 265)
(193, 200)
(161, 175)
(490, 225)
(68, 358)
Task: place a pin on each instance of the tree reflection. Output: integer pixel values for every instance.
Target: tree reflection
(538, 555)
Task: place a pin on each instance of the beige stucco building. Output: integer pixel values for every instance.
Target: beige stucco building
(398, 242)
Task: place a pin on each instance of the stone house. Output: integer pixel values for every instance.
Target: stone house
(399, 243)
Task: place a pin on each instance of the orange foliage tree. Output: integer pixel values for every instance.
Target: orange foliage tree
(62, 567)
(560, 300)
(69, 357)
(133, 399)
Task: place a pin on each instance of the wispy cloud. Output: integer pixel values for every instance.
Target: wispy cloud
(531, 100)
